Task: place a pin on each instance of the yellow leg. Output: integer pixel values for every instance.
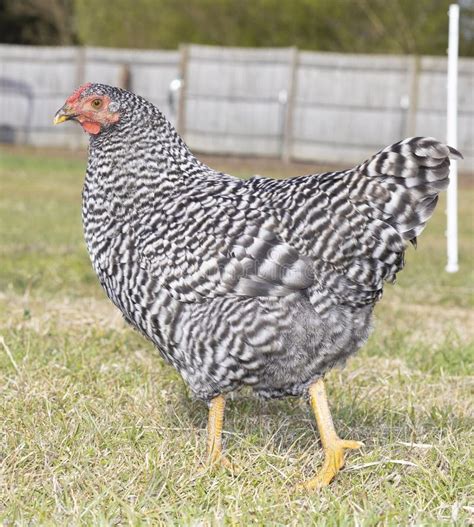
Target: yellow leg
(334, 447)
(214, 433)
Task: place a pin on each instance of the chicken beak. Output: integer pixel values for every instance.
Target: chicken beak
(63, 114)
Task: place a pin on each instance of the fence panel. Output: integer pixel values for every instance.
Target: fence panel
(150, 72)
(269, 102)
(431, 111)
(47, 75)
(347, 106)
(50, 74)
(235, 99)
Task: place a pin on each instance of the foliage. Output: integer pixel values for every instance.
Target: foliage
(39, 22)
(398, 26)
(362, 26)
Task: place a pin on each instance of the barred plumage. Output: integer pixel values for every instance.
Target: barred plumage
(261, 282)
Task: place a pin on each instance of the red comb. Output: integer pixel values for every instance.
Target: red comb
(75, 96)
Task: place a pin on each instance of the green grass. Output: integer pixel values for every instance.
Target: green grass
(96, 430)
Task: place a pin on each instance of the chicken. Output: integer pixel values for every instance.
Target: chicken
(261, 283)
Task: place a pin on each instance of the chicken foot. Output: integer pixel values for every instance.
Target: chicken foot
(214, 434)
(334, 447)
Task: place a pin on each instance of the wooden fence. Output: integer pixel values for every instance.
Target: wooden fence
(268, 102)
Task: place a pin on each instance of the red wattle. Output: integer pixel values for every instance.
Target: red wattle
(92, 128)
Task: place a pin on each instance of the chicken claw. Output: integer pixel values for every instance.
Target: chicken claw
(334, 446)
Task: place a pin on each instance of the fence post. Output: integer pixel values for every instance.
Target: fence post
(287, 141)
(80, 65)
(125, 77)
(414, 74)
(183, 74)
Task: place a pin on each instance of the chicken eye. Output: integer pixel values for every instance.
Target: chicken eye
(96, 103)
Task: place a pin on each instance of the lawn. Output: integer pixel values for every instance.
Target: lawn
(97, 430)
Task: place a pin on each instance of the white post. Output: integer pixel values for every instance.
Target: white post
(452, 140)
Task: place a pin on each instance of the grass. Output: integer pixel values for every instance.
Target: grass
(97, 430)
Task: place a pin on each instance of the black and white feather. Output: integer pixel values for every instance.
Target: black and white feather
(261, 282)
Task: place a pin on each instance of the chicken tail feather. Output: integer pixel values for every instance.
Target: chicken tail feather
(402, 183)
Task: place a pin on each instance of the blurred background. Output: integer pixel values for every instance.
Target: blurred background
(305, 80)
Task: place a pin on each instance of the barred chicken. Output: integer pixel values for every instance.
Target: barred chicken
(262, 283)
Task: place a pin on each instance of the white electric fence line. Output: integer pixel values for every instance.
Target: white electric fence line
(452, 140)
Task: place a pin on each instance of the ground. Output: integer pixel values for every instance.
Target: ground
(96, 429)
